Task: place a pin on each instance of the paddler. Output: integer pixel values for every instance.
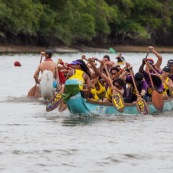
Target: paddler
(47, 64)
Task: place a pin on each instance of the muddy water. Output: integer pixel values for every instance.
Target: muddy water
(33, 140)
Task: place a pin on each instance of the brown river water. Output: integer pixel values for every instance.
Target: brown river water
(35, 141)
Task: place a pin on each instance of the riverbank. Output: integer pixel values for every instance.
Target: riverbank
(63, 49)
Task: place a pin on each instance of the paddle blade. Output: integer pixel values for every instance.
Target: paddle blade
(118, 102)
(142, 106)
(112, 50)
(34, 92)
(54, 102)
(157, 100)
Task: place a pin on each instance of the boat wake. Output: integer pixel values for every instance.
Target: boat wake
(23, 99)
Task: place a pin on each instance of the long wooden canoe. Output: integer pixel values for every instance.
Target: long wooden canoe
(85, 107)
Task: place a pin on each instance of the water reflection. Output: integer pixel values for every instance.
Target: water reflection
(79, 121)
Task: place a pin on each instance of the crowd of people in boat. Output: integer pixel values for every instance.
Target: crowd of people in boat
(99, 79)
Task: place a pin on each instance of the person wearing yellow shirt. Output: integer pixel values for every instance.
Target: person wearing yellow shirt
(81, 74)
(167, 84)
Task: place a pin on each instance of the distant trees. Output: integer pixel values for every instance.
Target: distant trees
(89, 22)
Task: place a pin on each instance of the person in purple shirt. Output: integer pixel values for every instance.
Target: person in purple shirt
(156, 81)
(141, 87)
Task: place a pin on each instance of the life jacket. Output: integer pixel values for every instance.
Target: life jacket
(78, 76)
(101, 92)
(165, 86)
(94, 94)
(109, 94)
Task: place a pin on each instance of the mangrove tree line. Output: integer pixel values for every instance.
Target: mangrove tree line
(88, 22)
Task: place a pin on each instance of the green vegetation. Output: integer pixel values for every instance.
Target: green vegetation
(86, 22)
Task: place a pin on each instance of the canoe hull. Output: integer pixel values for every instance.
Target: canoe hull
(80, 106)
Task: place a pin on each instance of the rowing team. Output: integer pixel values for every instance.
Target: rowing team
(103, 82)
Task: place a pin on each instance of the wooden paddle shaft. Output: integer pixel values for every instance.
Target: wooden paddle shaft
(41, 59)
(152, 84)
(110, 80)
(134, 83)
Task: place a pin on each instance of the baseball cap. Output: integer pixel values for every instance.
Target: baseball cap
(167, 69)
(150, 60)
(170, 62)
(138, 78)
(76, 62)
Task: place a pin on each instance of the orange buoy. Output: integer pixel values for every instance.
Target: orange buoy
(17, 63)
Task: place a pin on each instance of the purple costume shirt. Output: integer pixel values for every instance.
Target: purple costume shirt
(149, 89)
(142, 86)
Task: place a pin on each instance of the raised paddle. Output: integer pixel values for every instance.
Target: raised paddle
(157, 98)
(34, 91)
(117, 99)
(141, 104)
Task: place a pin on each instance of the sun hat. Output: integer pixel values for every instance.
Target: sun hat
(76, 62)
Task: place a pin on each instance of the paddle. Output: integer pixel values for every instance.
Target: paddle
(112, 50)
(54, 102)
(117, 99)
(157, 98)
(141, 104)
(34, 91)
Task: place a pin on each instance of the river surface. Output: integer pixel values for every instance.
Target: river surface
(35, 141)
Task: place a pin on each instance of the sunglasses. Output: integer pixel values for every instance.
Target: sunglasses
(150, 62)
(113, 73)
(117, 86)
(170, 65)
(166, 71)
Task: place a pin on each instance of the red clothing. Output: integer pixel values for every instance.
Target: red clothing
(61, 77)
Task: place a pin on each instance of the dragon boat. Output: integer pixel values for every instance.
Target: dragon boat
(86, 107)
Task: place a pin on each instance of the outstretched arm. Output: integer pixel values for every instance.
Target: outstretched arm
(102, 75)
(159, 61)
(141, 68)
(36, 75)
